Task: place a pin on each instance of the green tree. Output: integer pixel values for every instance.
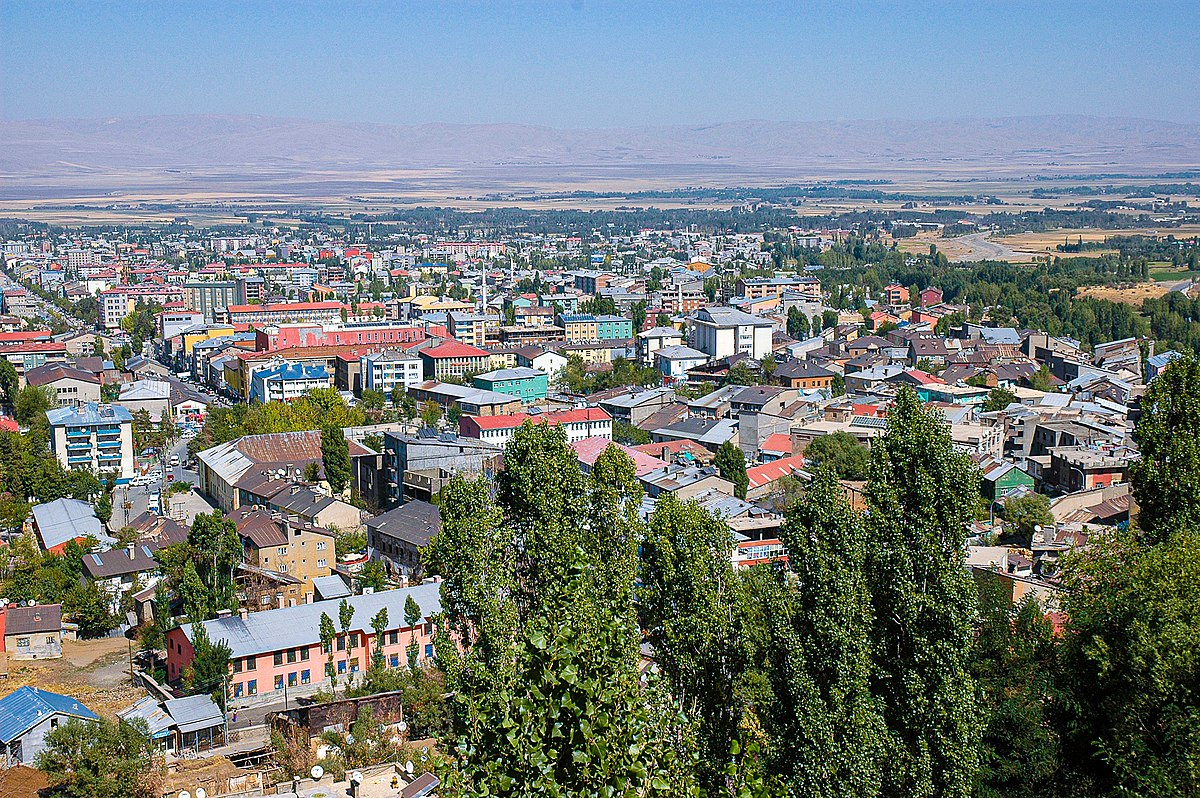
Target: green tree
(837, 387)
(1041, 380)
(740, 374)
(9, 382)
(31, 405)
(327, 633)
(840, 453)
(626, 433)
(371, 575)
(998, 399)
(335, 458)
(731, 465)
(87, 605)
(372, 399)
(101, 759)
(1166, 478)
(104, 508)
(797, 323)
(920, 495)
(1025, 512)
(210, 665)
(828, 728)
(412, 617)
(379, 625)
(453, 416)
(431, 414)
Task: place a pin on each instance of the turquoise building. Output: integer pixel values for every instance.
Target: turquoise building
(528, 385)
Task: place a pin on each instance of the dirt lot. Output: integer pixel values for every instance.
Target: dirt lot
(1130, 295)
(94, 671)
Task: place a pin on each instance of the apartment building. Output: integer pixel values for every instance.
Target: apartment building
(385, 371)
(92, 436)
(722, 332)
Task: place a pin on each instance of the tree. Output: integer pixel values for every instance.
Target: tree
(104, 508)
(740, 374)
(431, 414)
(397, 396)
(335, 458)
(345, 618)
(768, 366)
(828, 727)
(920, 494)
(662, 320)
(9, 382)
(1042, 380)
(87, 605)
(637, 312)
(327, 633)
(1166, 478)
(626, 433)
(210, 665)
(998, 399)
(372, 399)
(31, 405)
(454, 415)
(829, 319)
(1025, 512)
(1130, 660)
(731, 465)
(379, 625)
(837, 386)
(797, 323)
(372, 575)
(412, 617)
(312, 472)
(101, 759)
(841, 454)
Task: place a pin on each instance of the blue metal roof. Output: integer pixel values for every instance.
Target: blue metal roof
(25, 707)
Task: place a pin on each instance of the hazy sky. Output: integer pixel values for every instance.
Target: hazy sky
(597, 64)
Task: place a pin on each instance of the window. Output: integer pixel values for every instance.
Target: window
(305, 677)
(252, 687)
(342, 666)
(237, 666)
(292, 679)
(249, 663)
(321, 563)
(341, 644)
(429, 651)
(325, 648)
(354, 665)
(279, 682)
(394, 661)
(53, 723)
(392, 637)
(22, 642)
(291, 656)
(320, 545)
(304, 655)
(354, 640)
(237, 689)
(278, 657)
(281, 551)
(51, 640)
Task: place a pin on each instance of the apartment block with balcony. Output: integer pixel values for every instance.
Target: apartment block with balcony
(384, 371)
(94, 437)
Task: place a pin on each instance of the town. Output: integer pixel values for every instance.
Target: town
(236, 453)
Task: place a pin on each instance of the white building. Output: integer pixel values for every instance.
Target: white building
(286, 382)
(674, 362)
(383, 371)
(721, 332)
(96, 437)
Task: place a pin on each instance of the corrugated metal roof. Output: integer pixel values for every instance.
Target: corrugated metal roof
(25, 707)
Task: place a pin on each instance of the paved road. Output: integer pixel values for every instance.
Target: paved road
(979, 246)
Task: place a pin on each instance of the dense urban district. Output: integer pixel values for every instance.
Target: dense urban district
(623, 503)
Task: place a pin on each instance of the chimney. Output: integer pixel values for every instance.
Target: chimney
(224, 613)
(129, 549)
(242, 613)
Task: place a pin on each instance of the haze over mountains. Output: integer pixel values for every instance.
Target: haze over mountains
(122, 153)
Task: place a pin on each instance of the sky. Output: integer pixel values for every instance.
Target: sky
(586, 64)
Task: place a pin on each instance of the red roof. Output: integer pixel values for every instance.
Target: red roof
(777, 469)
(779, 442)
(923, 377)
(588, 449)
(514, 420)
(286, 307)
(454, 349)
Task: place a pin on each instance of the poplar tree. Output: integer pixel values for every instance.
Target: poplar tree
(920, 495)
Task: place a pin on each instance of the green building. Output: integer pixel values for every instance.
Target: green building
(1003, 479)
(529, 385)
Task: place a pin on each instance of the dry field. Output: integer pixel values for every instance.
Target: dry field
(93, 671)
(1129, 295)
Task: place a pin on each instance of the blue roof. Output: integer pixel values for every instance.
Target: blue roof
(90, 414)
(25, 707)
(294, 371)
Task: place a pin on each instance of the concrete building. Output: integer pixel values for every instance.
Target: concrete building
(397, 537)
(68, 386)
(95, 437)
(384, 371)
(280, 649)
(213, 299)
(528, 385)
(31, 632)
(722, 332)
(453, 359)
(674, 362)
(416, 466)
(579, 424)
(287, 381)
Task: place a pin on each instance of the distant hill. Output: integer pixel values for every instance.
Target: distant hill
(102, 150)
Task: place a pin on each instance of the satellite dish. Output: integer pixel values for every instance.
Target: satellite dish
(201, 793)
(402, 726)
(317, 771)
(184, 794)
(356, 777)
(408, 767)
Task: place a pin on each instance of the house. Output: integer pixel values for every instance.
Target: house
(762, 478)
(529, 385)
(193, 723)
(417, 466)
(280, 649)
(384, 371)
(470, 400)
(654, 339)
(161, 399)
(27, 715)
(775, 447)
(397, 537)
(31, 632)
(1003, 478)
(540, 358)
(589, 449)
(706, 432)
(120, 569)
(95, 437)
(288, 381)
(674, 362)
(585, 422)
(685, 481)
(68, 386)
(803, 375)
(291, 545)
(61, 521)
(895, 294)
(635, 406)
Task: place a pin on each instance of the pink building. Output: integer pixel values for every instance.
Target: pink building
(277, 649)
(315, 334)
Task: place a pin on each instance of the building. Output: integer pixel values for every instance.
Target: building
(674, 362)
(579, 424)
(613, 328)
(285, 312)
(386, 371)
(61, 521)
(656, 338)
(290, 545)
(27, 715)
(31, 632)
(193, 723)
(212, 300)
(467, 328)
(120, 569)
(636, 406)
(25, 357)
(453, 359)
(161, 398)
(68, 386)
(895, 294)
(529, 385)
(280, 649)
(803, 375)
(95, 437)
(287, 381)
(173, 322)
(722, 332)
(762, 287)
(397, 537)
(470, 400)
(417, 466)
